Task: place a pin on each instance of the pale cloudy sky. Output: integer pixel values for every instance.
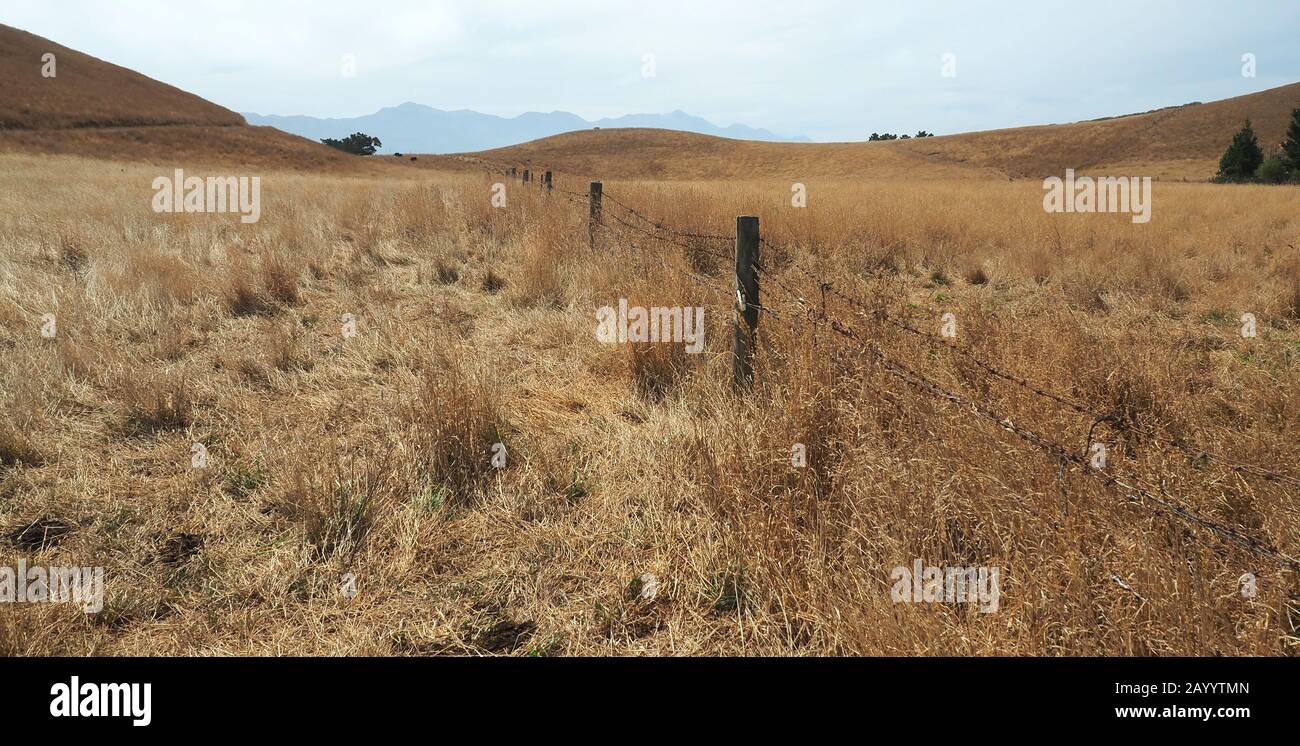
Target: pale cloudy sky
(832, 70)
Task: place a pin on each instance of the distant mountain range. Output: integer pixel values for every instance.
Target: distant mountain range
(414, 128)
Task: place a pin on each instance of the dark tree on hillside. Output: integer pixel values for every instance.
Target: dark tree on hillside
(357, 143)
(1242, 157)
(1291, 146)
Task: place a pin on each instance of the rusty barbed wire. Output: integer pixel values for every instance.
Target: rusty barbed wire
(1136, 493)
(1128, 488)
(1113, 418)
(659, 225)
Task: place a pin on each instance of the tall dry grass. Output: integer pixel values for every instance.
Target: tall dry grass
(370, 455)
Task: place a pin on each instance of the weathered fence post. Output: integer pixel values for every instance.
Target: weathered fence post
(546, 179)
(594, 219)
(746, 317)
(525, 176)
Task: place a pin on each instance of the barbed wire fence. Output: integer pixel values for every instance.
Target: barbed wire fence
(813, 313)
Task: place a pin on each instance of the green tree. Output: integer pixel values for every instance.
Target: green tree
(1243, 157)
(357, 143)
(1273, 170)
(1291, 146)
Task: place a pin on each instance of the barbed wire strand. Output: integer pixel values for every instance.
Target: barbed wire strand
(1112, 418)
(923, 383)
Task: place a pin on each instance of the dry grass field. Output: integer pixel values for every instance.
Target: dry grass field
(370, 454)
(351, 363)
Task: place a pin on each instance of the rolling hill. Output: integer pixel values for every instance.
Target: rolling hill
(637, 153)
(1182, 142)
(95, 108)
(1176, 142)
(89, 92)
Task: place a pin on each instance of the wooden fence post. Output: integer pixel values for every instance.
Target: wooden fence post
(546, 179)
(594, 219)
(525, 176)
(747, 305)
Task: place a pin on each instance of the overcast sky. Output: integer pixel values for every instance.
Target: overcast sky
(828, 70)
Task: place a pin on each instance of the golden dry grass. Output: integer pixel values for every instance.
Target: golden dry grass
(1175, 143)
(243, 148)
(370, 454)
(670, 155)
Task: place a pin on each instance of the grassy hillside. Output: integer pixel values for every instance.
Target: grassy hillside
(667, 154)
(89, 92)
(263, 148)
(1178, 143)
(96, 109)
